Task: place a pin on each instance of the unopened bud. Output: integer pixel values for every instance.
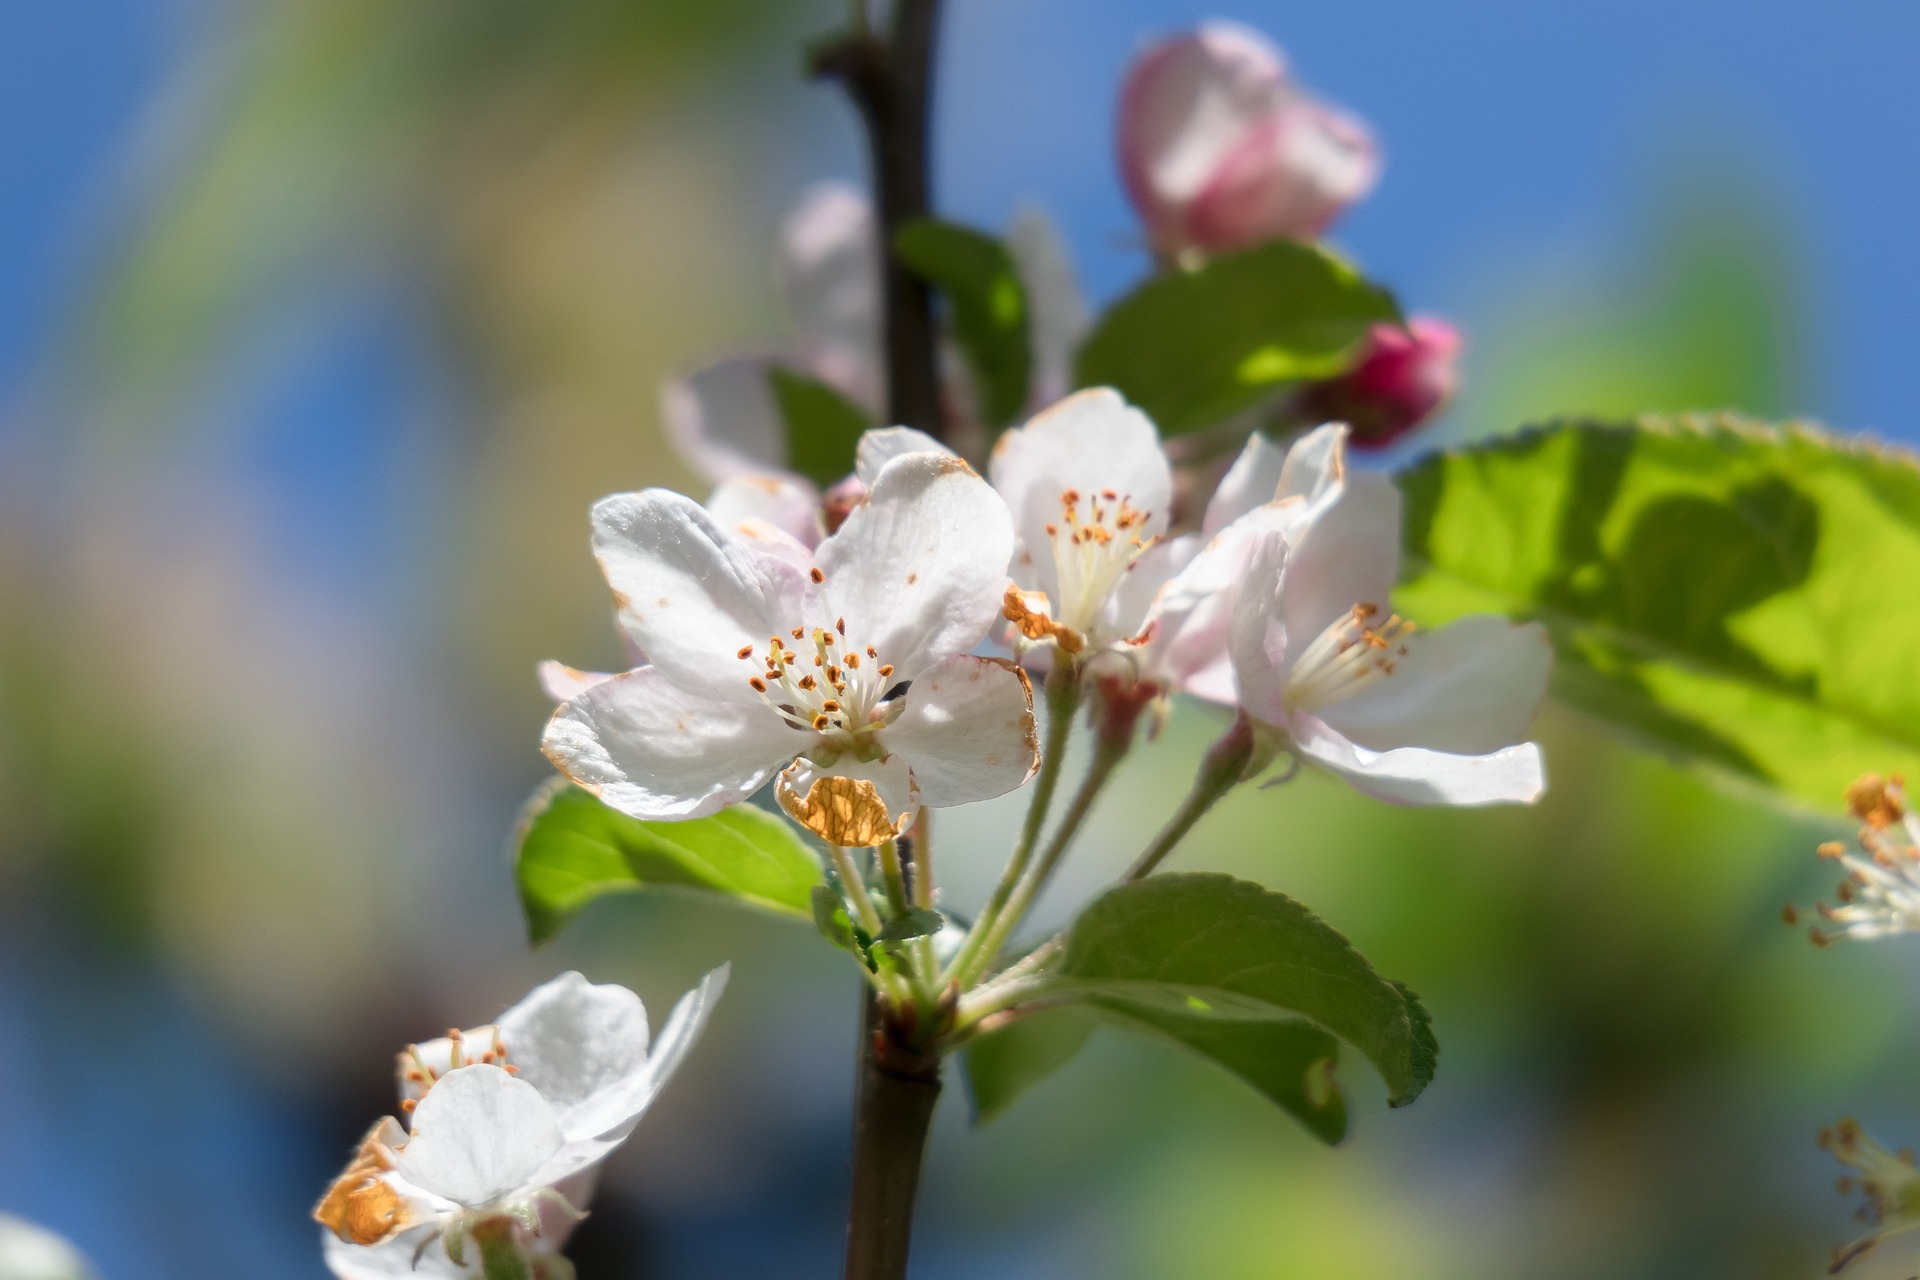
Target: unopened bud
(1221, 149)
(1402, 377)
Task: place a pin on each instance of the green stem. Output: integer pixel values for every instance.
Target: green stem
(500, 1255)
(1223, 767)
(895, 876)
(853, 890)
(1063, 699)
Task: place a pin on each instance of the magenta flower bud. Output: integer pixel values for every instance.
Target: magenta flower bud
(1221, 149)
(1403, 376)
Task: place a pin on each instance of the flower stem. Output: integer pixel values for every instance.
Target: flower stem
(1063, 699)
(500, 1255)
(894, 1109)
(853, 889)
(1221, 769)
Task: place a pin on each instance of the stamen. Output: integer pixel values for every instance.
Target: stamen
(816, 575)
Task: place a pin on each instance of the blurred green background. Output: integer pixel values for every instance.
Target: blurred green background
(321, 323)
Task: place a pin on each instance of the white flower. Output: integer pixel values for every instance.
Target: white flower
(29, 1252)
(1089, 489)
(1406, 716)
(854, 669)
(508, 1121)
(1888, 1182)
(1880, 898)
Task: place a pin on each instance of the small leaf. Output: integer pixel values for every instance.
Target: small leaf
(1004, 1063)
(1193, 348)
(823, 426)
(1251, 980)
(1722, 591)
(571, 849)
(988, 303)
(920, 922)
(830, 917)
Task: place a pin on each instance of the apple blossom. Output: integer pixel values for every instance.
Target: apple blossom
(507, 1126)
(1888, 1181)
(30, 1252)
(1880, 896)
(1406, 716)
(1221, 149)
(853, 673)
(1400, 379)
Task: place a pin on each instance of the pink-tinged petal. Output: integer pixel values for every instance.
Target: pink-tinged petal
(651, 749)
(755, 504)
(1315, 463)
(1192, 613)
(1470, 687)
(966, 731)
(919, 569)
(1257, 638)
(882, 445)
(724, 421)
(1056, 309)
(852, 803)
(1187, 103)
(831, 268)
(1348, 553)
(691, 593)
(1252, 481)
(1140, 588)
(1400, 379)
(477, 1136)
(563, 683)
(1288, 178)
(1414, 775)
(1092, 442)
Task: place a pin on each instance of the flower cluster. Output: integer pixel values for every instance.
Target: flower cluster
(1880, 896)
(847, 666)
(506, 1128)
(1886, 1179)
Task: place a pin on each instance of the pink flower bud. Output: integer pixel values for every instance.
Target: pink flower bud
(1402, 377)
(1221, 149)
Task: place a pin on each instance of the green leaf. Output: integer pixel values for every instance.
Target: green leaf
(571, 849)
(823, 426)
(1004, 1063)
(1731, 594)
(1192, 348)
(1245, 977)
(920, 922)
(988, 304)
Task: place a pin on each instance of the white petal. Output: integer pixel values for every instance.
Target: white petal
(967, 731)
(882, 445)
(1056, 310)
(651, 749)
(879, 805)
(562, 683)
(724, 420)
(31, 1252)
(1315, 463)
(1257, 632)
(478, 1136)
(391, 1259)
(574, 1040)
(919, 569)
(418, 1065)
(757, 502)
(690, 592)
(1471, 687)
(607, 1117)
(831, 261)
(1090, 442)
(1139, 590)
(1252, 481)
(1414, 775)
(1348, 553)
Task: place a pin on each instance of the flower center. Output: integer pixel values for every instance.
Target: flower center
(423, 1066)
(817, 680)
(1095, 543)
(1351, 654)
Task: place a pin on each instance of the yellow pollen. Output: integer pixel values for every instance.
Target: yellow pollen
(886, 669)
(746, 651)
(759, 685)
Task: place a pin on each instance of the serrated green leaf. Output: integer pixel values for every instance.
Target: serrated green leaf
(988, 303)
(570, 849)
(1004, 1063)
(1722, 591)
(1192, 348)
(823, 426)
(1253, 981)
